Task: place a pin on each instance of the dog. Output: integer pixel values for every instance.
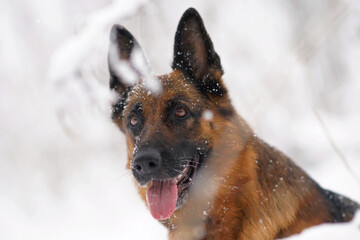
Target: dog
(197, 164)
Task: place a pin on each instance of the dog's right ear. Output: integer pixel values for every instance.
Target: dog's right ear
(124, 49)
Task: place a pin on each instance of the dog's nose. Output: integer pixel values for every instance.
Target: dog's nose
(147, 162)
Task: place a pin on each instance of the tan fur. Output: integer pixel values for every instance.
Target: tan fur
(248, 190)
(244, 189)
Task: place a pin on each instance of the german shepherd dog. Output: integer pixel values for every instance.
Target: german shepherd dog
(197, 164)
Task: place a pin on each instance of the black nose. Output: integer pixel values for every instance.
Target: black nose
(147, 163)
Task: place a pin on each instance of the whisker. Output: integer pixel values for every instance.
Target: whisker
(192, 161)
(181, 172)
(185, 158)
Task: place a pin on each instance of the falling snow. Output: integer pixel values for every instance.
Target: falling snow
(63, 160)
(208, 115)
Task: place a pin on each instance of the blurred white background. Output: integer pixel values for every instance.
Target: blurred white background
(62, 160)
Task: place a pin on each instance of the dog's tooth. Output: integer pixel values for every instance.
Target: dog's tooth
(178, 178)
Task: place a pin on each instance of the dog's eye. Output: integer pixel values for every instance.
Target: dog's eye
(134, 120)
(180, 112)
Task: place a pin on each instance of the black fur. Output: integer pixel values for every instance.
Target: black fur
(194, 54)
(125, 44)
(119, 106)
(342, 208)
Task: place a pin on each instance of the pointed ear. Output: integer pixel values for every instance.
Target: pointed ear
(194, 52)
(124, 58)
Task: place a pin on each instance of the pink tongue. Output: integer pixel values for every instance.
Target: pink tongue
(161, 198)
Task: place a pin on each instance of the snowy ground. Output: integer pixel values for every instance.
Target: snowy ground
(62, 172)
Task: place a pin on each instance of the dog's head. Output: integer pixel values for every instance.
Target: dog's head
(171, 130)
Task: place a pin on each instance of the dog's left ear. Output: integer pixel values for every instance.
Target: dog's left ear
(194, 52)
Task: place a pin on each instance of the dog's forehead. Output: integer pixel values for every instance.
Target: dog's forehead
(172, 85)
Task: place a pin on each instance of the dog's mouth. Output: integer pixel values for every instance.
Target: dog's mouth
(166, 195)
